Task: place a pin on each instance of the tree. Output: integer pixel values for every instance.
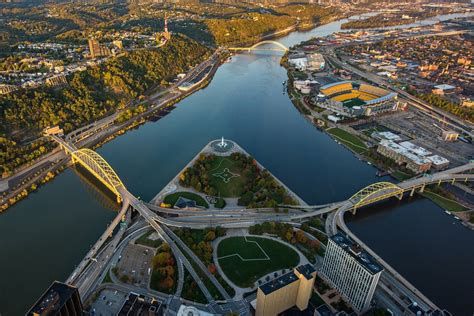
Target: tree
(301, 237)
(212, 268)
(210, 236)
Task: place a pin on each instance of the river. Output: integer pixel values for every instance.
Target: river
(44, 236)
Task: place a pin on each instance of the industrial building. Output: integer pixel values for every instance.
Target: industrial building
(351, 271)
(351, 99)
(404, 156)
(316, 62)
(290, 289)
(59, 299)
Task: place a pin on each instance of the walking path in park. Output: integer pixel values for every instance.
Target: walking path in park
(240, 291)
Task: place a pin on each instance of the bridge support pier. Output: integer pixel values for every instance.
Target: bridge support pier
(452, 181)
(354, 211)
(422, 188)
(400, 197)
(412, 192)
(439, 182)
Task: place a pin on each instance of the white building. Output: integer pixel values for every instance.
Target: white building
(300, 63)
(352, 271)
(438, 162)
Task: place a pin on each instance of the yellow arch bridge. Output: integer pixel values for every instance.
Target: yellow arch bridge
(97, 165)
(279, 47)
(375, 192)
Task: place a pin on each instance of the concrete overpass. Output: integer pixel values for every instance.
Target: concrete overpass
(198, 219)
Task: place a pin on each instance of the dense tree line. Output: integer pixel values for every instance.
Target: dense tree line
(466, 113)
(163, 277)
(199, 241)
(246, 28)
(287, 233)
(93, 93)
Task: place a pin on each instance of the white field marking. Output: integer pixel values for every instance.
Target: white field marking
(243, 259)
(226, 179)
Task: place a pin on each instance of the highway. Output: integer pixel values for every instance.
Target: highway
(436, 113)
(198, 219)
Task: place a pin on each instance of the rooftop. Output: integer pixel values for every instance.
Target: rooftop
(137, 305)
(444, 87)
(438, 160)
(53, 299)
(358, 253)
(404, 151)
(420, 151)
(279, 283)
(307, 270)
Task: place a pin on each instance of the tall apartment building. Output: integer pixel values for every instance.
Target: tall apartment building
(351, 270)
(59, 299)
(290, 289)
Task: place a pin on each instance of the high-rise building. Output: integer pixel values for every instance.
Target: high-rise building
(351, 270)
(59, 299)
(290, 289)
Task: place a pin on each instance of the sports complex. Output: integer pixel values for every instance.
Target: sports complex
(352, 99)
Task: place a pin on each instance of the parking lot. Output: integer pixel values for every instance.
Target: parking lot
(108, 303)
(426, 132)
(136, 264)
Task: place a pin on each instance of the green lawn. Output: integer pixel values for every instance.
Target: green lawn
(245, 273)
(145, 241)
(172, 198)
(351, 141)
(400, 175)
(235, 185)
(445, 203)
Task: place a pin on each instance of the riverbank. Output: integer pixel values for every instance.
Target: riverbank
(32, 183)
(346, 132)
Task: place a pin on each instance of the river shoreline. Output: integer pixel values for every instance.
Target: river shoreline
(244, 103)
(30, 185)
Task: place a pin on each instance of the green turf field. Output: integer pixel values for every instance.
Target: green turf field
(244, 261)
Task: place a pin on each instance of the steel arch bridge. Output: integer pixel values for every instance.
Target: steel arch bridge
(256, 46)
(97, 165)
(375, 192)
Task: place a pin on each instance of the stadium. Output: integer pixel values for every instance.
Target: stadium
(351, 99)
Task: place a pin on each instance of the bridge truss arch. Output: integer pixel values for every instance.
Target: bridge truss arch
(97, 165)
(280, 45)
(375, 192)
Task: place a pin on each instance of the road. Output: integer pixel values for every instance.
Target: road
(90, 134)
(436, 113)
(246, 218)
